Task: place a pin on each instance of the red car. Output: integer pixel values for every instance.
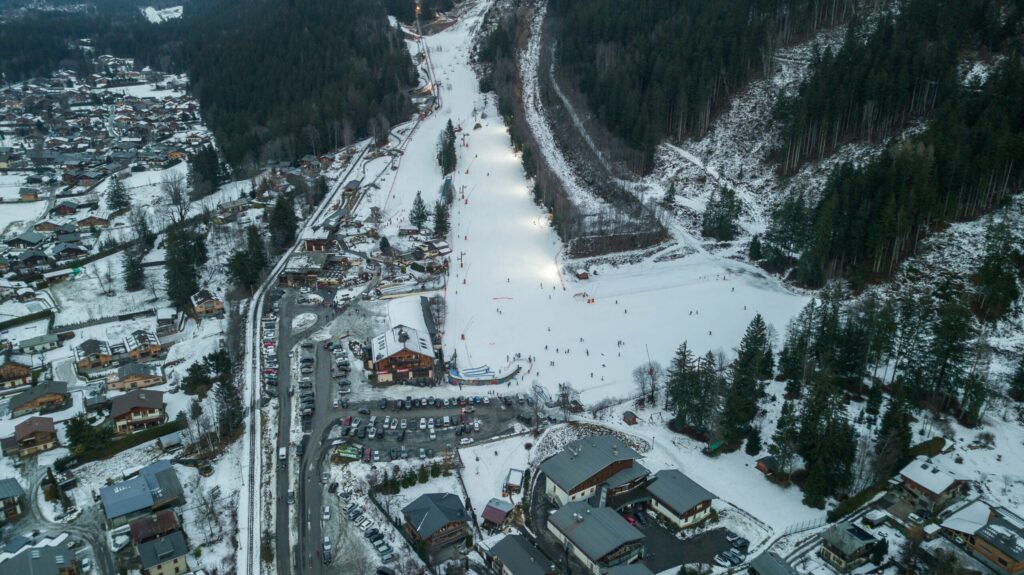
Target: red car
(366, 455)
(629, 518)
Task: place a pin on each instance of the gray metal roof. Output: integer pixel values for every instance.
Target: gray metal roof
(141, 398)
(43, 558)
(582, 458)
(432, 511)
(626, 475)
(596, 531)
(155, 483)
(848, 538)
(631, 569)
(162, 549)
(9, 487)
(771, 564)
(521, 558)
(677, 491)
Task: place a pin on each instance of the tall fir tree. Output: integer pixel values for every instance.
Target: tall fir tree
(283, 224)
(441, 224)
(785, 440)
(418, 214)
(117, 195)
(753, 364)
(134, 272)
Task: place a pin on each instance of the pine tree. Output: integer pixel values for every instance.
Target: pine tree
(874, 400)
(446, 154)
(230, 411)
(785, 441)
(670, 195)
(720, 215)
(440, 220)
(892, 444)
(1016, 383)
(948, 348)
(117, 195)
(283, 224)
(418, 214)
(134, 272)
(753, 363)
(754, 251)
(186, 252)
(997, 275)
(753, 446)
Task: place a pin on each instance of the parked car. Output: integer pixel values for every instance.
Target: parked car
(327, 512)
(465, 441)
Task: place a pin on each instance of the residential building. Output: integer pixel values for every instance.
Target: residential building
(436, 520)
(155, 525)
(135, 376)
(11, 498)
(846, 546)
(42, 397)
(769, 563)
(928, 483)
(514, 555)
(165, 555)
(49, 556)
(205, 304)
(598, 536)
(141, 344)
(992, 534)
(679, 499)
(14, 373)
(137, 410)
(154, 488)
(34, 435)
(586, 465)
(496, 512)
(402, 354)
(39, 344)
(93, 353)
(166, 321)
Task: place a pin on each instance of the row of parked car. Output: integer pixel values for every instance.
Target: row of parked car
(371, 532)
(736, 554)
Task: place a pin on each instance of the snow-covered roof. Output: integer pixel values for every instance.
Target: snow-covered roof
(928, 475)
(969, 519)
(398, 338)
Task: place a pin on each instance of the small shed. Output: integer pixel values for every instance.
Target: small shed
(768, 465)
(582, 275)
(629, 417)
(496, 512)
(514, 481)
(170, 442)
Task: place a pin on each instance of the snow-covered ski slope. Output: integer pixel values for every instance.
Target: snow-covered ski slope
(510, 292)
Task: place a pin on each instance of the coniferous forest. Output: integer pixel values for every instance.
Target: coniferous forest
(652, 70)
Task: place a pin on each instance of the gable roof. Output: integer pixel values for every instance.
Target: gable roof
(432, 511)
(137, 398)
(33, 425)
(36, 391)
(848, 538)
(582, 458)
(47, 556)
(1005, 531)
(928, 475)
(596, 531)
(521, 558)
(677, 491)
(91, 346)
(155, 525)
(201, 296)
(496, 510)
(156, 482)
(162, 549)
(969, 519)
(145, 370)
(9, 487)
(398, 338)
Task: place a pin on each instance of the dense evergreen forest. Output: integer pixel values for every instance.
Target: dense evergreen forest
(902, 72)
(870, 217)
(277, 80)
(652, 70)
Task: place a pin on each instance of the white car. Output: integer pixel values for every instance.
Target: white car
(465, 441)
(405, 424)
(327, 543)
(394, 424)
(327, 512)
(387, 421)
(433, 435)
(423, 423)
(430, 423)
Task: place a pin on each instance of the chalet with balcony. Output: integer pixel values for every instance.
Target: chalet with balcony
(137, 410)
(679, 499)
(846, 546)
(601, 465)
(14, 373)
(598, 536)
(402, 355)
(43, 397)
(206, 304)
(34, 435)
(436, 520)
(93, 353)
(929, 484)
(135, 376)
(11, 499)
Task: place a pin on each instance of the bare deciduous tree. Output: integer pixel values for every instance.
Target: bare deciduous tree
(648, 378)
(174, 189)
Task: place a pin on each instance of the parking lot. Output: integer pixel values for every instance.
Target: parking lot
(400, 429)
